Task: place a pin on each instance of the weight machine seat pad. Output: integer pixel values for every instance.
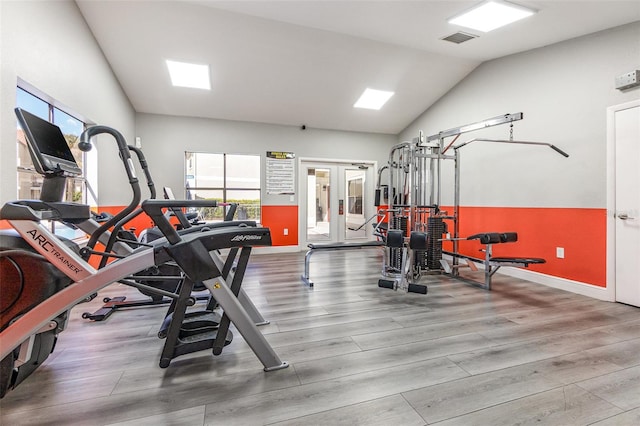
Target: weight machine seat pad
(395, 238)
(418, 241)
(495, 237)
(486, 238)
(524, 260)
(338, 246)
(508, 237)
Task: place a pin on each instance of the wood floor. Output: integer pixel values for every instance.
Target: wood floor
(521, 354)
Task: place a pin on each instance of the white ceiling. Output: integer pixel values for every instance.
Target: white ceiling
(307, 61)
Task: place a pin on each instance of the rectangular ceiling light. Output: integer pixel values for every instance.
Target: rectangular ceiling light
(491, 15)
(373, 99)
(189, 75)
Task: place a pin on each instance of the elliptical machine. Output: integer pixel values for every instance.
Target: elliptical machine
(44, 277)
(160, 284)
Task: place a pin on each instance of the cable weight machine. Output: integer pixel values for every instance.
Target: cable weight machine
(416, 222)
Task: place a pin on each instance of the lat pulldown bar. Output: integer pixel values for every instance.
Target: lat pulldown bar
(490, 122)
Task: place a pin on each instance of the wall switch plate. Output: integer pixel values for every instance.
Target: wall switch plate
(286, 231)
(560, 252)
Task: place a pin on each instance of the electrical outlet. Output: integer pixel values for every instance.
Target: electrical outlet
(560, 252)
(286, 231)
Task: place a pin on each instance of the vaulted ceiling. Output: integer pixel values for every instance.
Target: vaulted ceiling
(308, 61)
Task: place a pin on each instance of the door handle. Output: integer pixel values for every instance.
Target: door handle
(624, 216)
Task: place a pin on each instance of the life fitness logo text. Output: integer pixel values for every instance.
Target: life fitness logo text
(246, 237)
(50, 248)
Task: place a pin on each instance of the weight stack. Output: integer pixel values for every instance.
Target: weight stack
(395, 254)
(420, 259)
(418, 244)
(399, 222)
(435, 229)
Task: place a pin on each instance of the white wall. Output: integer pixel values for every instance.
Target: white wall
(165, 139)
(563, 91)
(48, 45)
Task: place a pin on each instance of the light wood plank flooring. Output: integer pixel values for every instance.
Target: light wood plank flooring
(360, 355)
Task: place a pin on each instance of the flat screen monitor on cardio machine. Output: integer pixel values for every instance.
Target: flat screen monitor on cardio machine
(47, 145)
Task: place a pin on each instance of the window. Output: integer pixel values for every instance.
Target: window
(354, 194)
(29, 181)
(229, 178)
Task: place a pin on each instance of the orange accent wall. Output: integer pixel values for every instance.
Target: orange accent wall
(383, 207)
(141, 222)
(277, 218)
(581, 232)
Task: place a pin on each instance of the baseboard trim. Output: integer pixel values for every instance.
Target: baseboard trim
(585, 289)
(577, 287)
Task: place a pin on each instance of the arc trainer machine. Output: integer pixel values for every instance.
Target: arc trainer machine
(44, 276)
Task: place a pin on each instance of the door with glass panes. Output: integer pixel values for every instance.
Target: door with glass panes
(336, 201)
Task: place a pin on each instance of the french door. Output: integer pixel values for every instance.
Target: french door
(336, 201)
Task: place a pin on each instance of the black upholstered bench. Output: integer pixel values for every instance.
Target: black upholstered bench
(492, 264)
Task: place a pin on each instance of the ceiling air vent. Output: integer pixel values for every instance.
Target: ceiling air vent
(459, 37)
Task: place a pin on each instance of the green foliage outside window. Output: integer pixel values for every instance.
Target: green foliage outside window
(247, 209)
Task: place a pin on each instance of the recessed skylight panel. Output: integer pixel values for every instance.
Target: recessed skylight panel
(491, 15)
(373, 99)
(184, 74)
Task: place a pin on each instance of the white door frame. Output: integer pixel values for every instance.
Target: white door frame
(611, 199)
(302, 208)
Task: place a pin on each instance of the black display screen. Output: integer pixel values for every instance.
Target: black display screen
(47, 137)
